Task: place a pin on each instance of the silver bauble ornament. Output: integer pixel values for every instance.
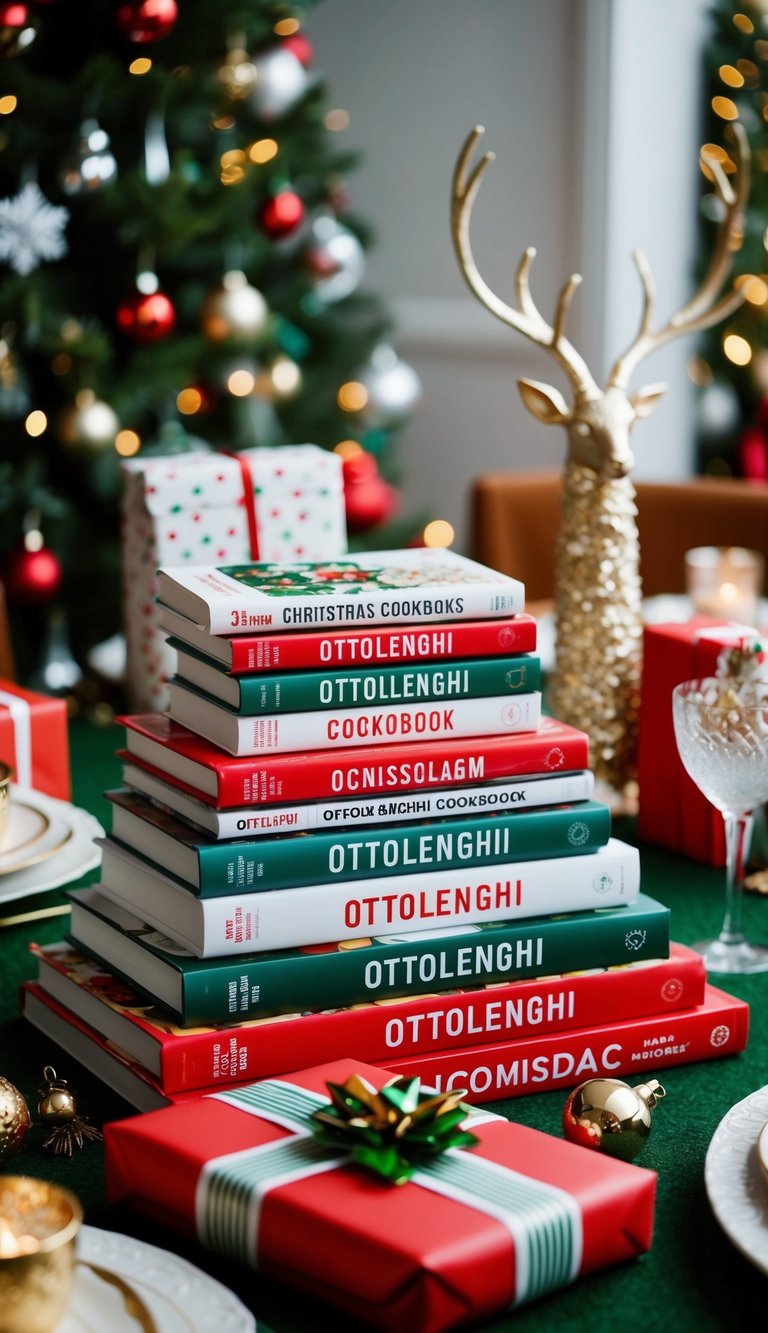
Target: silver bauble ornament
(88, 425)
(336, 258)
(281, 82)
(719, 411)
(235, 311)
(91, 165)
(393, 387)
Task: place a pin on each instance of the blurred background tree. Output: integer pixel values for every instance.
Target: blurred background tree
(180, 263)
(732, 368)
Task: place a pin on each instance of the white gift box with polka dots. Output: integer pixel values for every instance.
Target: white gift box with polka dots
(192, 509)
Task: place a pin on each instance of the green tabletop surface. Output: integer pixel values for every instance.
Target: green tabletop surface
(693, 1278)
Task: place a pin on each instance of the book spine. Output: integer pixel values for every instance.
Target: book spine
(311, 690)
(419, 604)
(284, 734)
(326, 857)
(320, 913)
(311, 816)
(403, 768)
(289, 652)
(333, 975)
(540, 1064)
(382, 1032)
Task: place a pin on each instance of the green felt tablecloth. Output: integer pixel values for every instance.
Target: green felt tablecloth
(692, 1279)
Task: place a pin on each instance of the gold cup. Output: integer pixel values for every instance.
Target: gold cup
(6, 778)
(39, 1223)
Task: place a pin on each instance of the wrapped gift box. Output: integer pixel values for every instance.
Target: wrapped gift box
(515, 1215)
(672, 810)
(34, 740)
(212, 509)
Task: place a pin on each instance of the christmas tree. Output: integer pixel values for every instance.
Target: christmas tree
(179, 264)
(732, 368)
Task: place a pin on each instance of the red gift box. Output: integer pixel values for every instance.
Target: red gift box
(672, 811)
(477, 1231)
(34, 740)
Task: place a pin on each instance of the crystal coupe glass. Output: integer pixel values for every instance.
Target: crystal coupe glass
(721, 728)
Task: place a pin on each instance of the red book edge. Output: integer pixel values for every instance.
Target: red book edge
(718, 1027)
(279, 1044)
(250, 780)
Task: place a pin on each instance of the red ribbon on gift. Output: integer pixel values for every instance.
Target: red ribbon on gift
(249, 499)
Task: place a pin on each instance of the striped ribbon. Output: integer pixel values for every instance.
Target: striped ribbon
(22, 736)
(543, 1221)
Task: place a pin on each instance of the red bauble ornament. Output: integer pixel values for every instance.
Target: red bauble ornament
(146, 318)
(753, 455)
(144, 21)
(358, 467)
(368, 498)
(32, 578)
(280, 215)
(299, 47)
(14, 16)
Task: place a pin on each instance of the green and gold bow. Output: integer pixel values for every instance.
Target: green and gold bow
(393, 1131)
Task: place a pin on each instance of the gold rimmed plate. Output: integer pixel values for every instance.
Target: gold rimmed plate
(31, 835)
(128, 1286)
(734, 1179)
(62, 853)
(762, 1152)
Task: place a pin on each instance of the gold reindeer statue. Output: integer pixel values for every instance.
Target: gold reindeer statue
(597, 593)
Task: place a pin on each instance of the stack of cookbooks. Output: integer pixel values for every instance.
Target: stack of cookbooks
(355, 834)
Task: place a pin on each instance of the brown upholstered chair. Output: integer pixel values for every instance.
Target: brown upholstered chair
(515, 516)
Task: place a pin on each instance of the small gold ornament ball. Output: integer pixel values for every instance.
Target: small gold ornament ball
(57, 1106)
(609, 1115)
(235, 311)
(14, 1120)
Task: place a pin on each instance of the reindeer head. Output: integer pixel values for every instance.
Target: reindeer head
(599, 420)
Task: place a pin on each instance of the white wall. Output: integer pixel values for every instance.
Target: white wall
(591, 107)
(642, 133)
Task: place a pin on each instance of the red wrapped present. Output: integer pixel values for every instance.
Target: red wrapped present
(672, 811)
(34, 740)
(478, 1229)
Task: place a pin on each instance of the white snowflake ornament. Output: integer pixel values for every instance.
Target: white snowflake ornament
(31, 229)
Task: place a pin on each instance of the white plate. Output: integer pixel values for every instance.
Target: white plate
(31, 834)
(177, 1297)
(72, 829)
(737, 1188)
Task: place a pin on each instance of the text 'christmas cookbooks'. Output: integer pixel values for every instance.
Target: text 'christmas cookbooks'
(373, 588)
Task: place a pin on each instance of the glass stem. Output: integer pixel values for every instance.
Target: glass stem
(738, 830)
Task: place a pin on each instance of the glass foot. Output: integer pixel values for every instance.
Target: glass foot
(734, 958)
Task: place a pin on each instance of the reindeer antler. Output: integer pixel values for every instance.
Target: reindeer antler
(528, 320)
(703, 309)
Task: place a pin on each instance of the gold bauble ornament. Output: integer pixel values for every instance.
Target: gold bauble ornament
(609, 1115)
(14, 1120)
(89, 425)
(57, 1107)
(235, 312)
